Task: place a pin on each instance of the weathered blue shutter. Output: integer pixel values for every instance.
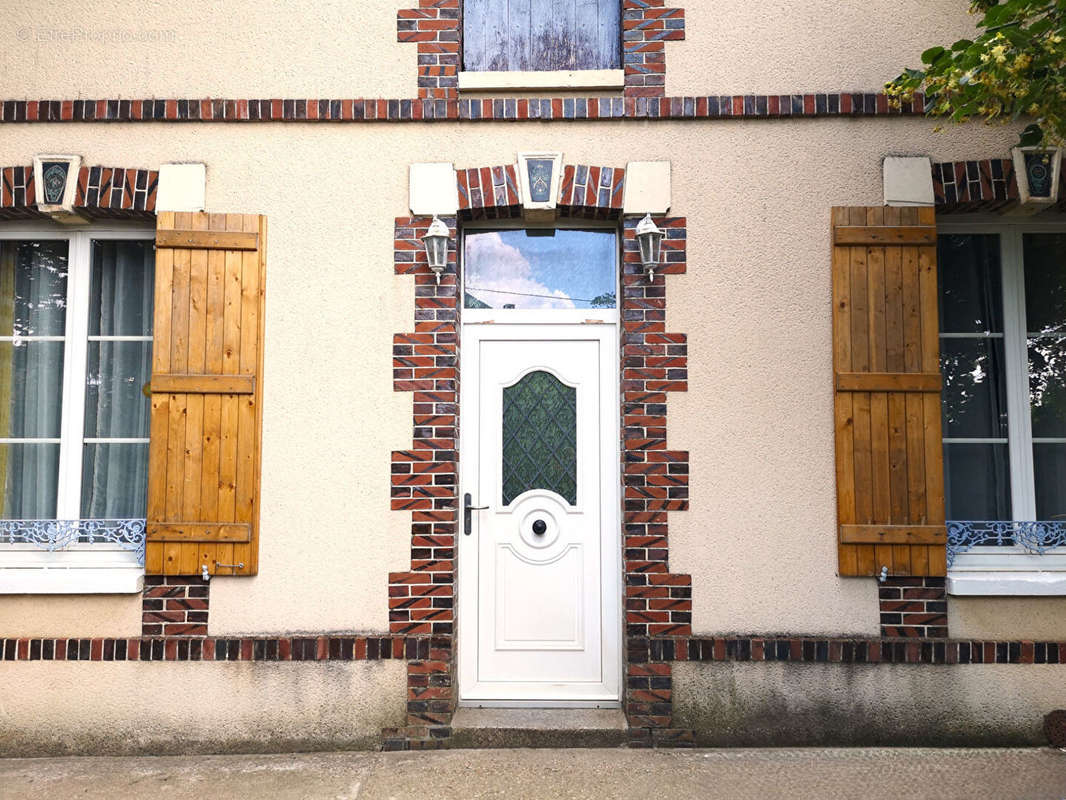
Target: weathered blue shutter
(514, 35)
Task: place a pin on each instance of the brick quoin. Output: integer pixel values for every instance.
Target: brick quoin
(646, 27)
(435, 28)
(658, 603)
(424, 482)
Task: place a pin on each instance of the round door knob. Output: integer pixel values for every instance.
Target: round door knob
(539, 526)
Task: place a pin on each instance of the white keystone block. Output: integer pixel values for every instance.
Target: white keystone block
(433, 190)
(908, 181)
(182, 187)
(648, 188)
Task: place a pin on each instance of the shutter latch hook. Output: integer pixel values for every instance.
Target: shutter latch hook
(883, 576)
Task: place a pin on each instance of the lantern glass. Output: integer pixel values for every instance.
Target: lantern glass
(436, 242)
(650, 241)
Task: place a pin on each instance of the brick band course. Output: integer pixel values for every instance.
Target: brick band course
(428, 109)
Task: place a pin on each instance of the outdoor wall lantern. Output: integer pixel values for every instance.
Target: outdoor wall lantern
(650, 239)
(436, 241)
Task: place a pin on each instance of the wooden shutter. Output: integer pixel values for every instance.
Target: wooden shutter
(886, 353)
(535, 35)
(207, 365)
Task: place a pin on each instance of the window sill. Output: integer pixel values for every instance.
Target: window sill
(1002, 583)
(71, 580)
(549, 80)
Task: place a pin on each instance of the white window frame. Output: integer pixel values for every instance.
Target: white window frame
(79, 568)
(1010, 570)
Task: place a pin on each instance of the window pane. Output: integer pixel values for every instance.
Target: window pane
(31, 387)
(114, 481)
(541, 269)
(33, 288)
(971, 291)
(977, 478)
(540, 437)
(1045, 282)
(122, 288)
(115, 402)
(29, 474)
(1049, 466)
(974, 403)
(1047, 386)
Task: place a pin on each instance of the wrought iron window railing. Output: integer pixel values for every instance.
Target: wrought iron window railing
(59, 534)
(1035, 537)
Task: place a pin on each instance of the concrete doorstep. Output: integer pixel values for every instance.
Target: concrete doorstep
(762, 774)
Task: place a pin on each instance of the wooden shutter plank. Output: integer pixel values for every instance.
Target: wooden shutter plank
(197, 237)
(887, 406)
(518, 38)
(203, 384)
(201, 532)
(875, 235)
(889, 382)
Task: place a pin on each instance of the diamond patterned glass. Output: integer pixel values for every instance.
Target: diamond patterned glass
(540, 437)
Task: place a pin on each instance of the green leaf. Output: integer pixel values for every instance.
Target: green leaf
(961, 44)
(932, 54)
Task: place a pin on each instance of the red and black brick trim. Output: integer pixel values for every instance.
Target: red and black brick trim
(591, 192)
(434, 26)
(650, 652)
(584, 191)
(646, 27)
(913, 608)
(489, 192)
(103, 193)
(989, 185)
(174, 605)
(750, 106)
(332, 647)
(844, 650)
(658, 603)
(424, 482)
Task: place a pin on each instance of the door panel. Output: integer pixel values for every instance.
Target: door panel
(539, 570)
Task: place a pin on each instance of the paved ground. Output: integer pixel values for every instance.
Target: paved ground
(869, 774)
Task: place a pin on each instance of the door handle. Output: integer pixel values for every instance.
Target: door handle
(467, 508)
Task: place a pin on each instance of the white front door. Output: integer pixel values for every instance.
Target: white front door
(539, 564)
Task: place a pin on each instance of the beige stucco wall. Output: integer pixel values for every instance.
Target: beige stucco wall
(111, 708)
(759, 539)
(773, 704)
(333, 48)
(785, 47)
(70, 615)
(1036, 618)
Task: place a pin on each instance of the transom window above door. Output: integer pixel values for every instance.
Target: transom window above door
(541, 35)
(540, 269)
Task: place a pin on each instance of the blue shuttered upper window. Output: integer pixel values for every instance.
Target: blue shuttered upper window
(536, 35)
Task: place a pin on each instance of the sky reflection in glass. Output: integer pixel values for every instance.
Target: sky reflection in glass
(539, 269)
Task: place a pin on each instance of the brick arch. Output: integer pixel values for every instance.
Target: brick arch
(988, 185)
(585, 191)
(103, 193)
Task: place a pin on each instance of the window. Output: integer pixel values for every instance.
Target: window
(540, 269)
(75, 362)
(541, 35)
(1003, 358)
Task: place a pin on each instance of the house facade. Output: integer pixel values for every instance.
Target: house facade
(273, 482)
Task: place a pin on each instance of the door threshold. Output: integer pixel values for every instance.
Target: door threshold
(541, 704)
(539, 727)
